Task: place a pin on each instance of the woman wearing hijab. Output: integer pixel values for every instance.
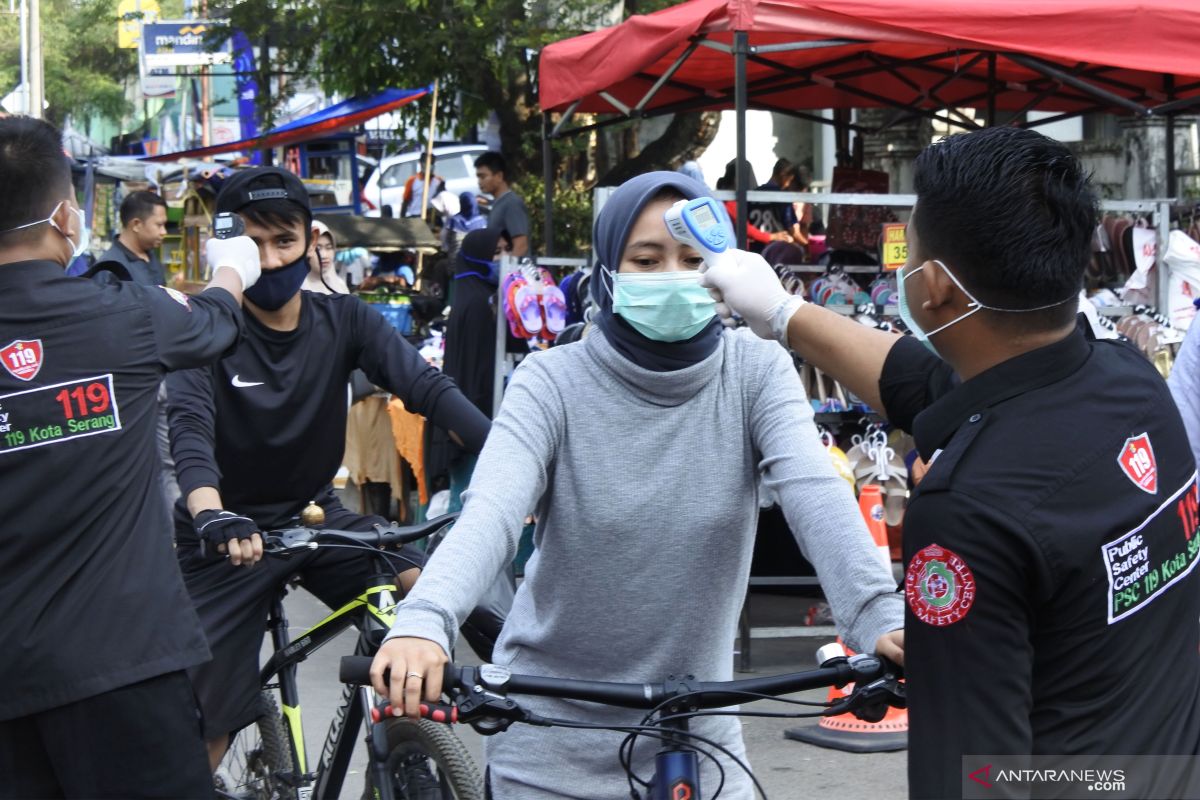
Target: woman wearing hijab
(322, 276)
(469, 218)
(641, 450)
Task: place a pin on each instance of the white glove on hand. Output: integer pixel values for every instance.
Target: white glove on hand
(746, 285)
(239, 254)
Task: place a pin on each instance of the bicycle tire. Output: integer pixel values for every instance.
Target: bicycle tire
(458, 777)
(257, 756)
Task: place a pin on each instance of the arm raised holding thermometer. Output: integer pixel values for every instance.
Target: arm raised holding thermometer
(703, 224)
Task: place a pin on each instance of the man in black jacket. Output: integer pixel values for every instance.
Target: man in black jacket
(1050, 549)
(261, 434)
(97, 627)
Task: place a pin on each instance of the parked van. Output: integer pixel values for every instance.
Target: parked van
(385, 188)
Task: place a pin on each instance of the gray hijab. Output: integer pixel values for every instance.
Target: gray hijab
(608, 240)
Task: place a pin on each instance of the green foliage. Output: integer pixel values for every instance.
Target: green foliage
(85, 71)
(572, 216)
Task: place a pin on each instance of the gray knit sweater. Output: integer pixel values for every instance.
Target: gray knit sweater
(646, 490)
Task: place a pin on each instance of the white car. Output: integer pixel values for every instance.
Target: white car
(453, 163)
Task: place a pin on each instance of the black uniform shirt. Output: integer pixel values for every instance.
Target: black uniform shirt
(89, 585)
(266, 426)
(148, 273)
(1050, 554)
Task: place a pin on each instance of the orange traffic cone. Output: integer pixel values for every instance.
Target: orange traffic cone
(870, 504)
(851, 734)
(846, 731)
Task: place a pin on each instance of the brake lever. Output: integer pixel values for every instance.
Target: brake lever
(285, 541)
(871, 702)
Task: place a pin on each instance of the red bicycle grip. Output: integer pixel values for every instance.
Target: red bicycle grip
(439, 712)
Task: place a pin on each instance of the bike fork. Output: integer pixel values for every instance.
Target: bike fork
(676, 775)
(377, 746)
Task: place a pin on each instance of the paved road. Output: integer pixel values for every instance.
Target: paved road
(788, 770)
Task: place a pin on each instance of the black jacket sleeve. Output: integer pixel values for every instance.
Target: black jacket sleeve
(394, 364)
(192, 416)
(912, 379)
(971, 596)
(191, 331)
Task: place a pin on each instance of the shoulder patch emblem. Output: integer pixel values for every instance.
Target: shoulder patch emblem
(23, 358)
(1137, 462)
(178, 297)
(939, 586)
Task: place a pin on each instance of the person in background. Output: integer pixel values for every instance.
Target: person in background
(143, 228)
(728, 183)
(782, 175)
(508, 214)
(798, 216)
(596, 435)
(469, 218)
(322, 274)
(1185, 386)
(415, 191)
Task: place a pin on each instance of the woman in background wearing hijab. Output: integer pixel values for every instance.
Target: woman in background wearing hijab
(641, 451)
(469, 218)
(322, 276)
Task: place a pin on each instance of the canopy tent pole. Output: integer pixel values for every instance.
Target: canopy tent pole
(548, 186)
(1169, 87)
(741, 42)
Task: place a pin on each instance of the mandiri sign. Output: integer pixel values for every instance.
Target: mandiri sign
(181, 44)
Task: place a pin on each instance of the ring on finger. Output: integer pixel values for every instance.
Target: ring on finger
(416, 675)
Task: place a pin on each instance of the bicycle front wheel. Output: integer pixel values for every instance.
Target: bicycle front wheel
(426, 761)
(257, 759)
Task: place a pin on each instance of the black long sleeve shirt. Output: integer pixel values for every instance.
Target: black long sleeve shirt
(89, 583)
(266, 426)
(1050, 552)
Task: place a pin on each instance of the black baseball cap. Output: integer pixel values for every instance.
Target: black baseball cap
(261, 183)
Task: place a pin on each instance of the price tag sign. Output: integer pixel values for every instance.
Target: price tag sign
(895, 247)
(58, 413)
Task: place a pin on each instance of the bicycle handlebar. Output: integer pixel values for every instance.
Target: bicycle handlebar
(876, 682)
(282, 540)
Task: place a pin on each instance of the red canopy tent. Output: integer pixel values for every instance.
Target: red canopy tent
(923, 57)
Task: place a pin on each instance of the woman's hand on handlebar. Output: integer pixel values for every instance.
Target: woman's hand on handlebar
(414, 672)
(891, 646)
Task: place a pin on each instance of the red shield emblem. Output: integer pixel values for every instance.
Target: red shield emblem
(23, 359)
(1138, 464)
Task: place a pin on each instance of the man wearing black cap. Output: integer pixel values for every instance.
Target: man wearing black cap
(97, 627)
(260, 434)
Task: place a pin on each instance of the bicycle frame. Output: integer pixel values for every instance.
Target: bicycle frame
(371, 611)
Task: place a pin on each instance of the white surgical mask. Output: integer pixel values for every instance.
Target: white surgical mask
(973, 306)
(78, 246)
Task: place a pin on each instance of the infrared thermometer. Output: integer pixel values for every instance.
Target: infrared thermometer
(702, 224)
(227, 225)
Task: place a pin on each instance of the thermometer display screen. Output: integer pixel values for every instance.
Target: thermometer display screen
(703, 216)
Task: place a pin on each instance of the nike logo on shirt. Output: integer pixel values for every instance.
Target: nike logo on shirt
(241, 384)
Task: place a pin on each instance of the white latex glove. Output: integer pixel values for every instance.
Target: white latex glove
(239, 254)
(747, 286)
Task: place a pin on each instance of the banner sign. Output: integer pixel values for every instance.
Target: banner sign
(895, 247)
(181, 44)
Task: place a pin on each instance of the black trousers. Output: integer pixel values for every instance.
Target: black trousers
(139, 741)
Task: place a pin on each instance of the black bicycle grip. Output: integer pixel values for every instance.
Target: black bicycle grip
(357, 670)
